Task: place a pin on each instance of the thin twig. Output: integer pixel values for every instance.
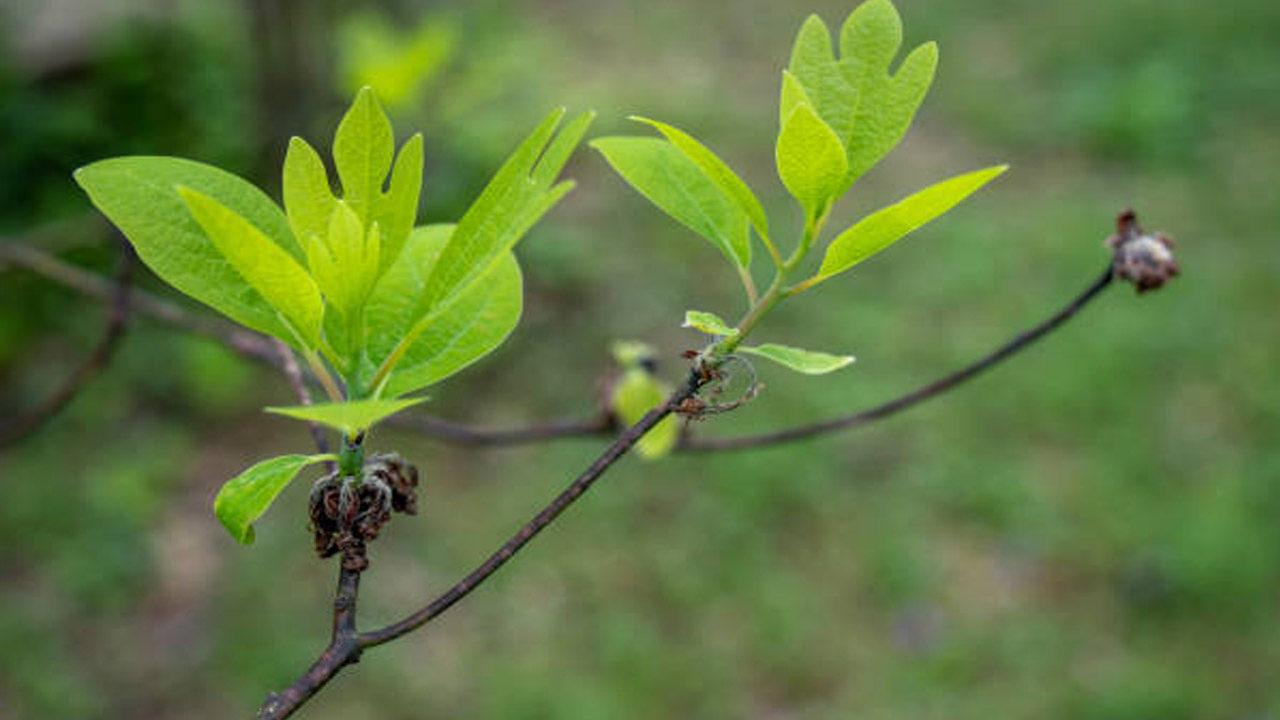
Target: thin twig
(845, 422)
(97, 361)
(460, 434)
(261, 349)
(340, 654)
(243, 342)
(289, 364)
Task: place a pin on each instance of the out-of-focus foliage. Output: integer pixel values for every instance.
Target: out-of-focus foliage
(1069, 537)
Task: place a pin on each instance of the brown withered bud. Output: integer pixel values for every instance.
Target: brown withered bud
(1144, 259)
(400, 477)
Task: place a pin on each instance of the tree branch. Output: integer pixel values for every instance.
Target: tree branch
(340, 654)
(261, 349)
(243, 342)
(97, 361)
(461, 434)
(948, 382)
(289, 364)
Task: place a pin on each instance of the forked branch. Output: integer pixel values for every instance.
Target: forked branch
(118, 296)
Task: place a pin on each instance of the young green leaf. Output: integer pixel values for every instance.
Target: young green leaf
(519, 194)
(362, 149)
(718, 172)
(802, 361)
(886, 104)
(268, 269)
(244, 498)
(814, 65)
(344, 261)
(881, 229)
(709, 323)
(396, 211)
(811, 160)
(635, 393)
(308, 196)
(349, 417)
(464, 331)
(793, 94)
(673, 182)
(139, 195)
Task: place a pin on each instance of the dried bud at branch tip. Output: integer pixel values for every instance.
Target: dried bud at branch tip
(1144, 259)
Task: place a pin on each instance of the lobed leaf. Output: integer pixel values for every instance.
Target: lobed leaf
(396, 211)
(718, 172)
(811, 160)
(467, 329)
(669, 179)
(268, 269)
(709, 323)
(350, 417)
(244, 498)
(139, 195)
(802, 361)
(886, 104)
(881, 229)
(362, 150)
(813, 64)
(308, 196)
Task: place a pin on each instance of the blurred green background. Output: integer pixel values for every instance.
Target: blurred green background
(1089, 532)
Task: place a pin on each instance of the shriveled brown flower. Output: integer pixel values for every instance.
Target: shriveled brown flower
(1144, 259)
(348, 512)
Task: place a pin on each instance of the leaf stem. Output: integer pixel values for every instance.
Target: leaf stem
(749, 284)
(322, 374)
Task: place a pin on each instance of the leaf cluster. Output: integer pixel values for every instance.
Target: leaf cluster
(840, 113)
(377, 307)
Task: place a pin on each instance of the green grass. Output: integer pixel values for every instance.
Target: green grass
(1088, 532)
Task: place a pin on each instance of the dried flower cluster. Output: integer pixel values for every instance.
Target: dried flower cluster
(349, 512)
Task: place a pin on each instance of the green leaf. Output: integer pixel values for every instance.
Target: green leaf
(349, 417)
(139, 195)
(635, 394)
(268, 269)
(467, 329)
(814, 65)
(802, 361)
(308, 196)
(717, 170)
(881, 229)
(362, 149)
(811, 160)
(397, 209)
(886, 104)
(519, 194)
(673, 182)
(709, 323)
(244, 498)
(793, 94)
(344, 261)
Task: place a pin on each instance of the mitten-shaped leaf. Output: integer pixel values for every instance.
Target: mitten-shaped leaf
(886, 104)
